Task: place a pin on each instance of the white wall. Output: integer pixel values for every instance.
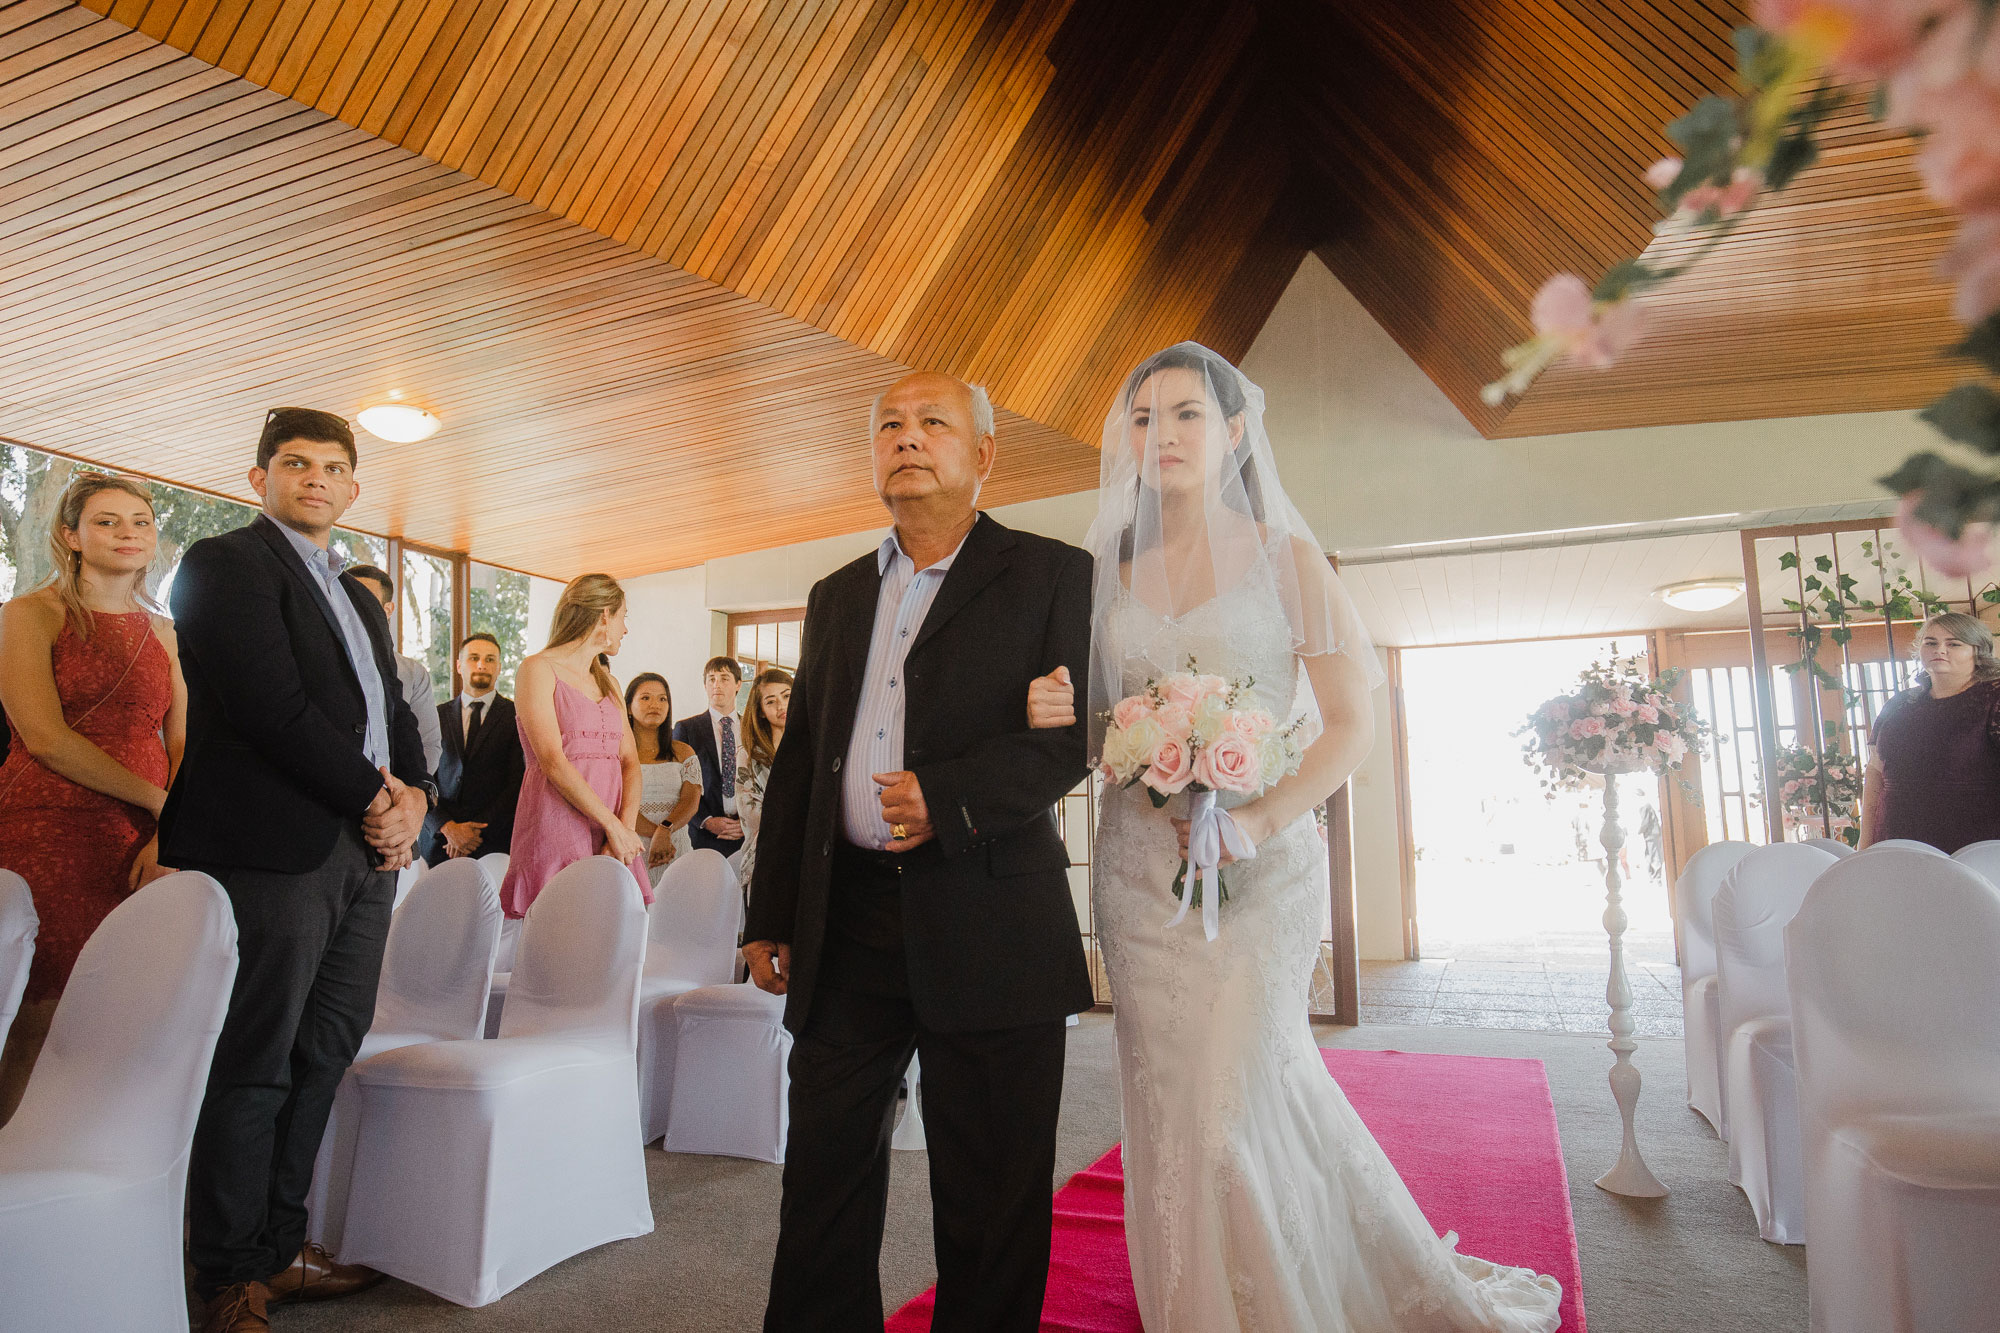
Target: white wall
(668, 630)
(1378, 894)
(1375, 455)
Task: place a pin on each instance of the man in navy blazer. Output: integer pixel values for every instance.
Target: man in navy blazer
(715, 734)
(302, 791)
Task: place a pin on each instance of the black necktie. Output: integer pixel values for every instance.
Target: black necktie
(472, 727)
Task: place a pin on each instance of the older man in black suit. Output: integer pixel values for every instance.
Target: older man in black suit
(303, 789)
(911, 890)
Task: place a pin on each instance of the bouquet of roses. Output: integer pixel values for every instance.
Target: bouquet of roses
(1615, 712)
(1200, 734)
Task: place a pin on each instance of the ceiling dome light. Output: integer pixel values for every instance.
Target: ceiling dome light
(1700, 594)
(399, 422)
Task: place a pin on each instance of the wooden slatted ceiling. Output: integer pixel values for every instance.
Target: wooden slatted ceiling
(1032, 195)
(180, 249)
(1463, 150)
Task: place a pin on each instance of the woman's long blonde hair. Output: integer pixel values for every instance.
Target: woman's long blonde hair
(757, 737)
(588, 597)
(1969, 630)
(67, 580)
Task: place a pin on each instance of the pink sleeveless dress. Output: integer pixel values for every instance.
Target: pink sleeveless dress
(549, 833)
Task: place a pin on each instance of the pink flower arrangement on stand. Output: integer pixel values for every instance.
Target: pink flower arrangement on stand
(1819, 791)
(1196, 733)
(1616, 717)
(1936, 69)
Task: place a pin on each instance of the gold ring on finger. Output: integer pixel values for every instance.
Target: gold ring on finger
(898, 832)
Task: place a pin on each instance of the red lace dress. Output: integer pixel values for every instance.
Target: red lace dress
(75, 846)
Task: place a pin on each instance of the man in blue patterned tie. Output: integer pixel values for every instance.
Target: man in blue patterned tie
(713, 736)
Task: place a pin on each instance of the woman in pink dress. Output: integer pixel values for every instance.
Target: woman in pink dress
(580, 796)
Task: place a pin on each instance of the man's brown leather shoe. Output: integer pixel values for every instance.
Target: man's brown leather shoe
(314, 1276)
(238, 1308)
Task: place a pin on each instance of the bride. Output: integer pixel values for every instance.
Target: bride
(1255, 1198)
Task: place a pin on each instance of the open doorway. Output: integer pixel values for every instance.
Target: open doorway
(1509, 890)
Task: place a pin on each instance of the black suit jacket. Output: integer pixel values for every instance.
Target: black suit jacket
(698, 732)
(482, 784)
(277, 724)
(990, 932)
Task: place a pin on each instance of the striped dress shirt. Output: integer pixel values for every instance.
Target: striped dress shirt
(876, 744)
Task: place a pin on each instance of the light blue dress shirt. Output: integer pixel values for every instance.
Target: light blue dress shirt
(876, 743)
(325, 566)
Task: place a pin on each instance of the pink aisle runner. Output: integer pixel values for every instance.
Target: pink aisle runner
(1435, 1116)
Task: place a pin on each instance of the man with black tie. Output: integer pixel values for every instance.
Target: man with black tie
(713, 734)
(302, 792)
(912, 893)
(479, 776)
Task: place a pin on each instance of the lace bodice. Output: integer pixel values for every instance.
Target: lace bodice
(1243, 633)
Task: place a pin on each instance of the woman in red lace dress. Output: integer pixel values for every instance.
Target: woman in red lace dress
(92, 687)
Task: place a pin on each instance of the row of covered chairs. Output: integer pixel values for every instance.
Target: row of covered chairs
(1846, 1043)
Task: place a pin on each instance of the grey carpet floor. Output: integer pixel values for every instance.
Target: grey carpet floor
(1690, 1261)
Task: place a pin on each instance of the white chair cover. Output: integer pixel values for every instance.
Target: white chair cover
(1834, 846)
(1701, 1016)
(694, 923)
(93, 1166)
(435, 971)
(1894, 989)
(1982, 857)
(406, 879)
(18, 924)
(481, 1163)
(1757, 901)
(510, 939)
(1905, 844)
(909, 1135)
(730, 1082)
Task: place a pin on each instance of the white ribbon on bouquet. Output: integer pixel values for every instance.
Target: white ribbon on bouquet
(1210, 829)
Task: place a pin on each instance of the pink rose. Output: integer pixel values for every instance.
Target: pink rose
(1724, 199)
(1586, 726)
(1131, 709)
(1558, 710)
(1182, 691)
(1975, 261)
(1229, 763)
(1251, 722)
(1968, 554)
(1175, 719)
(1624, 707)
(1663, 172)
(1214, 685)
(1172, 767)
(1647, 713)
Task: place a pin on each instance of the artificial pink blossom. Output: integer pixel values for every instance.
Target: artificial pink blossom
(1251, 722)
(1974, 260)
(1648, 714)
(1724, 199)
(1565, 311)
(1969, 554)
(1172, 767)
(1586, 726)
(1558, 710)
(1229, 763)
(1130, 709)
(1663, 173)
(1624, 707)
(1175, 720)
(1960, 157)
(1864, 38)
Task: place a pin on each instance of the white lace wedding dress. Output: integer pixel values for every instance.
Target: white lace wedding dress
(1255, 1198)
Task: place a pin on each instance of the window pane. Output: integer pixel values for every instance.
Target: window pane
(426, 608)
(361, 549)
(746, 641)
(500, 607)
(788, 644)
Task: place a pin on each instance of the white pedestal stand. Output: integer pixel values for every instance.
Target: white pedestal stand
(1630, 1175)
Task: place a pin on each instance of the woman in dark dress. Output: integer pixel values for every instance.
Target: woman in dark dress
(92, 688)
(1933, 770)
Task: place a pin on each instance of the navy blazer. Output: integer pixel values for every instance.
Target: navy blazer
(277, 723)
(698, 733)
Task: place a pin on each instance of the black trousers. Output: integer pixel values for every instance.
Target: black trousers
(309, 951)
(990, 1101)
